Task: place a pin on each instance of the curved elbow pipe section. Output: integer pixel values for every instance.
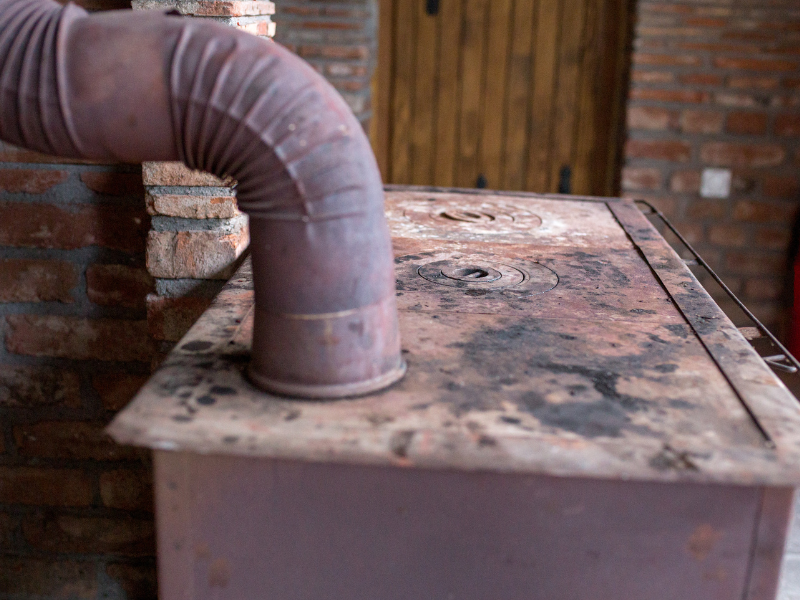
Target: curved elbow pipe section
(135, 87)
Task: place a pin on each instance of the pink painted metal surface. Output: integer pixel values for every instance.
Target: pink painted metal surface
(233, 527)
(579, 420)
(144, 86)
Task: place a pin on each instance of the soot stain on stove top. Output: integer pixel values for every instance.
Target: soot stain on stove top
(599, 269)
(546, 357)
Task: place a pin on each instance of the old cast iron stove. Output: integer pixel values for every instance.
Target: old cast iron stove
(579, 420)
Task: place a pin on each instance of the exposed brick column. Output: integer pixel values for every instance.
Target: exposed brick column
(197, 233)
(75, 509)
(717, 85)
(339, 39)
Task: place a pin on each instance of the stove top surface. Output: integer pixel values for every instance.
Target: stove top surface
(554, 335)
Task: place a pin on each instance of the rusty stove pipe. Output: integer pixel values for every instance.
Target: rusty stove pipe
(133, 87)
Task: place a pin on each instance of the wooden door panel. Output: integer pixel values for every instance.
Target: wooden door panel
(544, 82)
(423, 137)
(493, 132)
(448, 91)
(517, 100)
(473, 39)
(403, 79)
(510, 91)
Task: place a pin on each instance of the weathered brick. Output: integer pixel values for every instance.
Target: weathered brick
(783, 101)
(338, 69)
(14, 154)
(747, 36)
(117, 389)
(739, 100)
(113, 184)
(727, 235)
(654, 45)
(756, 64)
(764, 289)
(118, 285)
(706, 22)
(757, 83)
(746, 123)
(192, 207)
(650, 117)
(733, 154)
(89, 535)
(703, 208)
(209, 8)
(30, 181)
(717, 47)
(137, 581)
(781, 186)
(33, 280)
(42, 225)
(670, 150)
(701, 121)
(51, 578)
(35, 386)
(194, 254)
(175, 173)
(685, 96)
(170, 318)
(685, 182)
(693, 232)
(127, 489)
(638, 76)
(773, 238)
(666, 204)
(770, 313)
(743, 182)
(44, 487)
(686, 60)
(641, 178)
(351, 11)
(262, 28)
(787, 124)
(330, 25)
(76, 338)
(763, 212)
(667, 8)
(749, 263)
(355, 52)
(69, 439)
(700, 79)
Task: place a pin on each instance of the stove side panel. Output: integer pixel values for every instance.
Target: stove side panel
(772, 531)
(241, 528)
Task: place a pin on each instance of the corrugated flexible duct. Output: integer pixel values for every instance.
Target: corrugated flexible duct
(135, 87)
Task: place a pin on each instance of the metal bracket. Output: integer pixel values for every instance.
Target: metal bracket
(782, 361)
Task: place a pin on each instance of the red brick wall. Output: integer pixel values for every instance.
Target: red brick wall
(717, 84)
(75, 509)
(339, 39)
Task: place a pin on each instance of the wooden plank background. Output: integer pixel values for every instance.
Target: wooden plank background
(509, 91)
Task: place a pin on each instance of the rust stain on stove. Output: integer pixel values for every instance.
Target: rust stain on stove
(702, 541)
(219, 573)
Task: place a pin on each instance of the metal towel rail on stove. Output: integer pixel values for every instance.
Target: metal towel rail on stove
(784, 361)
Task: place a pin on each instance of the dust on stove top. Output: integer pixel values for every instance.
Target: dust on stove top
(559, 336)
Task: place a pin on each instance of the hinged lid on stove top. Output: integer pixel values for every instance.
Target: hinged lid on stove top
(552, 335)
